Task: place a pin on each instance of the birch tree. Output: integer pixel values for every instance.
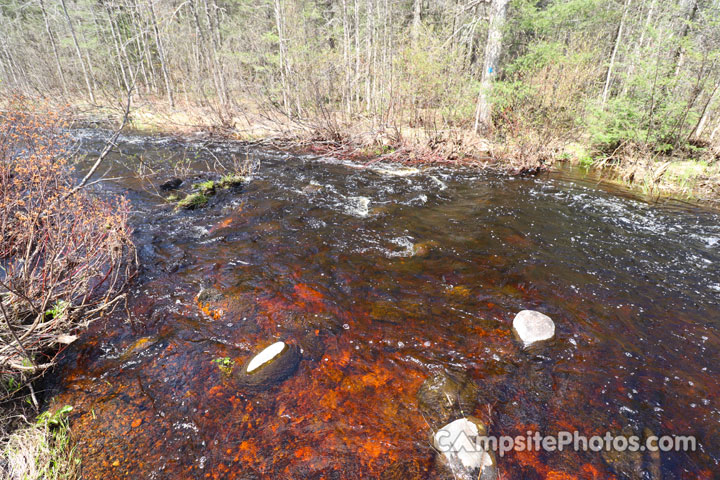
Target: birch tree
(493, 49)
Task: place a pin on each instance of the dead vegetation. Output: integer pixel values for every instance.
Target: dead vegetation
(66, 255)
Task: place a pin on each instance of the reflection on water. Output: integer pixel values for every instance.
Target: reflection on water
(383, 277)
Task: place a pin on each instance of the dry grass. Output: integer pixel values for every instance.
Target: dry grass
(678, 176)
(42, 451)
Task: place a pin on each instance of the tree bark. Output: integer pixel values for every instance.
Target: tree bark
(281, 52)
(613, 56)
(702, 122)
(493, 49)
(54, 47)
(691, 9)
(415, 31)
(161, 54)
(116, 42)
(78, 52)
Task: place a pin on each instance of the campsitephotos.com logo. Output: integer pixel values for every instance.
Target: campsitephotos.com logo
(447, 441)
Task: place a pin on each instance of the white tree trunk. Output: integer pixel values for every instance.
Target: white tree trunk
(54, 47)
(616, 46)
(161, 55)
(493, 48)
(415, 31)
(702, 123)
(77, 51)
(278, 10)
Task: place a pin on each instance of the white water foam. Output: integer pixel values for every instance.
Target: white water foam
(358, 206)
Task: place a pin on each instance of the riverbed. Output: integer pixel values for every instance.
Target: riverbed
(391, 274)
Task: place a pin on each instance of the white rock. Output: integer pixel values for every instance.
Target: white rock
(265, 356)
(463, 453)
(397, 171)
(532, 326)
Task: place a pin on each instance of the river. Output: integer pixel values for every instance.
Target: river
(394, 274)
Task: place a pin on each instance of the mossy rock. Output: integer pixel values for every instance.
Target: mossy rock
(232, 180)
(209, 295)
(192, 201)
(206, 188)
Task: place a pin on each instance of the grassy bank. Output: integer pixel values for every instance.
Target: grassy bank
(43, 449)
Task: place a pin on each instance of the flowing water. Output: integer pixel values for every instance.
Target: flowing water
(391, 275)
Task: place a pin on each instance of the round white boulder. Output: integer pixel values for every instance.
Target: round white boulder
(463, 450)
(532, 326)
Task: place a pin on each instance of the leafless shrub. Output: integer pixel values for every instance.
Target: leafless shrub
(65, 255)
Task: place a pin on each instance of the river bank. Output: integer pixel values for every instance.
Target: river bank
(692, 176)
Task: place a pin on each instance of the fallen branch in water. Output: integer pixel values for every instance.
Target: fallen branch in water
(109, 145)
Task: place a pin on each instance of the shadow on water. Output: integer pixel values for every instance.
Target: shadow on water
(383, 278)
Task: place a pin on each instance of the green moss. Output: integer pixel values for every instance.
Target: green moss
(206, 188)
(225, 364)
(193, 201)
(58, 309)
(231, 180)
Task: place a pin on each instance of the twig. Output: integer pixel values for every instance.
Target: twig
(108, 148)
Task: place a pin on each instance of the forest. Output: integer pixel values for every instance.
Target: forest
(631, 85)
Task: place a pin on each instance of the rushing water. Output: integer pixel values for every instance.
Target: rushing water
(393, 274)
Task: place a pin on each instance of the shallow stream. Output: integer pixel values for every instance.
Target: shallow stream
(392, 274)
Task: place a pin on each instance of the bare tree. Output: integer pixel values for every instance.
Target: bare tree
(613, 55)
(78, 52)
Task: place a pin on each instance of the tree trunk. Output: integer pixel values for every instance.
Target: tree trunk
(415, 31)
(78, 52)
(218, 67)
(281, 52)
(640, 43)
(679, 56)
(161, 54)
(702, 122)
(616, 46)
(54, 47)
(714, 132)
(493, 48)
(116, 43)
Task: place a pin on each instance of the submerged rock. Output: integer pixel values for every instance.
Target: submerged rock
(445, 396)
(312, 346)
(273, 364)
(172, 184)
(462, 451)
(209, 294)
(634, 465)
(532, 326)
(312, 188)
(423, 249)
(626, 465)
